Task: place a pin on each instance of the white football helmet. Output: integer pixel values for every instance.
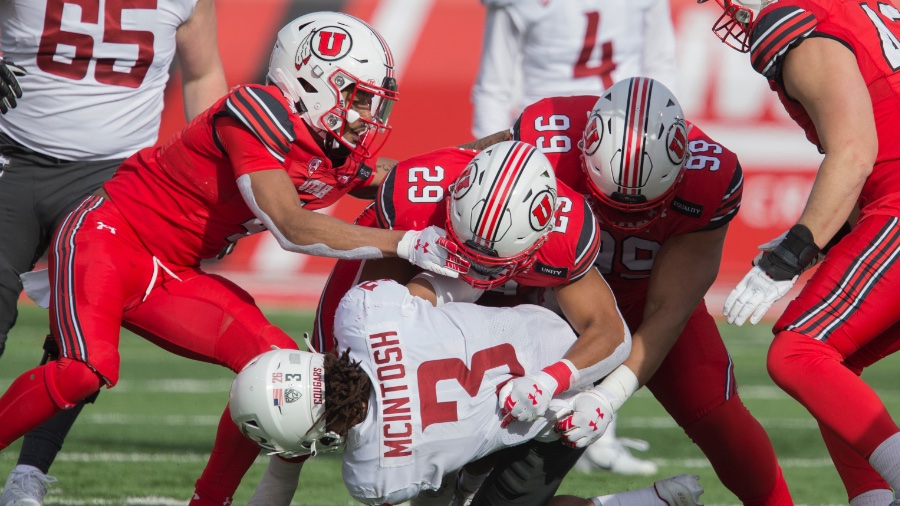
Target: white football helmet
(633, 151)
(339, 73)
(278, 399)
(500, 210)
(734, 25)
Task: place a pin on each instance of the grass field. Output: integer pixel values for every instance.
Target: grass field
(146, 441)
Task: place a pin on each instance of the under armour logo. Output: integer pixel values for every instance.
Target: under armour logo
(533, 397)
(419, 244)
(101, 226)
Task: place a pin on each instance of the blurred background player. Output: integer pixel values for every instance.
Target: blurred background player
(534, 49)
(393, 342)
(261, 158)
(664, 193)
(497, 205)
(834, 66)
(93, 96)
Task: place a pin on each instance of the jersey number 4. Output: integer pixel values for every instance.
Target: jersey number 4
(68, 54)
(606, 66)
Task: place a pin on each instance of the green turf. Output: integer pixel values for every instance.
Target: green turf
(146, 441)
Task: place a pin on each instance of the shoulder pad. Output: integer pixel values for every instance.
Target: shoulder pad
(776, 31)
(731, 201)
(265, 115)
(588, 243)
(385, 213)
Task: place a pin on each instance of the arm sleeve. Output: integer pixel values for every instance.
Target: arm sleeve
(492, 94)
(659, 45)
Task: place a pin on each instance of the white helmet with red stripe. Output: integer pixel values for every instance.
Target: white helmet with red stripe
(278, 400)
(734, 25)
(500, 210)
(339, 73)
(633, 151)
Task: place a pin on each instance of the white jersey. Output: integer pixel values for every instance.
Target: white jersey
(96, 73)
(435, 374)
(535, 49)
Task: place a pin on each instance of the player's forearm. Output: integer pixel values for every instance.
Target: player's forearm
(651, 342)
(834, 194)
(307, 229)
(599, 350)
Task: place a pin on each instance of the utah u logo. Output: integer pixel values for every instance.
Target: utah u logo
(330, 43)
(333, 43)
(542, 208)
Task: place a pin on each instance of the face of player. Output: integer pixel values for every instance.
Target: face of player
(360, 103)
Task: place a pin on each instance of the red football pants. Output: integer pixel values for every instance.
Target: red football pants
(845, 319)
(103, 278)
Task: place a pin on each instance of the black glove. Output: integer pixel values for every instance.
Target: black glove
(9, 85)
(792, 256)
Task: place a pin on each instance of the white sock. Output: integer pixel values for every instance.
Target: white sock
(886, 460)
(643, 497)
(278, 483)
(878, 497)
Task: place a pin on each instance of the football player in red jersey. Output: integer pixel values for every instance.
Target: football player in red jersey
(497, 206)
(664, 193)
(834, 65)
(262, 157)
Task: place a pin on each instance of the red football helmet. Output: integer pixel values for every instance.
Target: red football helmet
(633, 151)
(500, 210)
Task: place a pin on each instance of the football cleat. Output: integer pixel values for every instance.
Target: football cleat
(25, 486)
(681, 490)
(612, 454)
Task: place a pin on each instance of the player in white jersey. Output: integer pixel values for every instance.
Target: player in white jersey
(427, 402)
(92, 95)
(544, 48)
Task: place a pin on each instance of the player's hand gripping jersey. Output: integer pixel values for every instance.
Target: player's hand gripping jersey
(435, 373)
(707, 198)
(413, 195)
(183, 199)
(870, 29)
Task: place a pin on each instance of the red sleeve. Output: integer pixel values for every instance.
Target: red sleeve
(245, 151)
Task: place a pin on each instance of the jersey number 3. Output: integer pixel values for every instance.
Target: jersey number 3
(68, 54)
(433, 371)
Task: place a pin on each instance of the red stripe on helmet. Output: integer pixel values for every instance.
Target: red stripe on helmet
(502, 189)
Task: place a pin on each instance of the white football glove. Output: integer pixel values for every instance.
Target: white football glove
(753, 296)
(526, 398)
(591, 414)
(9, 85)
(768, 247)
(430, 249)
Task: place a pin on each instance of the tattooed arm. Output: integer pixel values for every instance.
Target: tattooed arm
(490, 140)
(382, 167)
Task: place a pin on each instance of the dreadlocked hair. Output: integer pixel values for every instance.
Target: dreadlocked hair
(347, 389)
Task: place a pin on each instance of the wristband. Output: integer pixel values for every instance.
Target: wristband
(622, 383)
(562, 372)
(792, 255)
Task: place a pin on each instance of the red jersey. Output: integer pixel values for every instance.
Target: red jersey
(708, 196)
(869, 29)
(183, 200)
(412, 197)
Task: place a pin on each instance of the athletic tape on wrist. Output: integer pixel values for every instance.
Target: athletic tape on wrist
(562, 372)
